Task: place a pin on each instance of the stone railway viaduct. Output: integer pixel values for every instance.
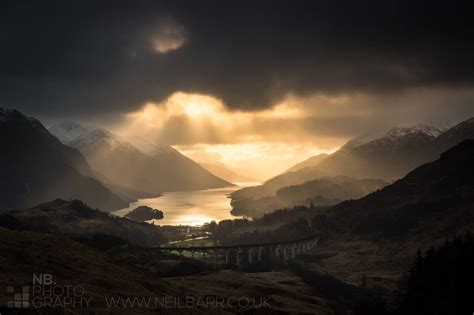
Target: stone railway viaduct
(250, 253)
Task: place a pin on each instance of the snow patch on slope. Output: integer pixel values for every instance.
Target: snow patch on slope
(393, 135)
(68, 131)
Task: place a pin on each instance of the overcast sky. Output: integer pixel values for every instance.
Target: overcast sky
(210, 76)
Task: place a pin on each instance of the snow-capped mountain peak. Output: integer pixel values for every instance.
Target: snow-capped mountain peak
(394, 135)
(87, 139)
(398, 132)
(125, 163)
(399, 137)
(358, 141)
(100, 139)
(67, 131)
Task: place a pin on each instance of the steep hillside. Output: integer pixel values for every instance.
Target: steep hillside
(387, 157)
(37, 167)
(377, 236)
(270, 187)
(434, 197)
(339, 187)
(320, 192)
(122, 163)
(311, 162)
(455, 135)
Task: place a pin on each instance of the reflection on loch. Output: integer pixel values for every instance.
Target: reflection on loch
(190, 207)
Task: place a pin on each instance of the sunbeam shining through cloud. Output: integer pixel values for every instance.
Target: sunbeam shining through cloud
(201, 126)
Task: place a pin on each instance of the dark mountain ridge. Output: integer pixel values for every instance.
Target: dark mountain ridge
(324, 191)
(37, 167)
(376, 237)
(439, 193)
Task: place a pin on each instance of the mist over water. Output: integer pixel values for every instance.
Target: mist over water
(190, 207)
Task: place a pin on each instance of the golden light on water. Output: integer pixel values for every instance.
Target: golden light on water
(189, 219)
(189, 208)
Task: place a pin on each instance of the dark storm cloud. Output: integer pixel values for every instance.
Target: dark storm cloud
(95, 57)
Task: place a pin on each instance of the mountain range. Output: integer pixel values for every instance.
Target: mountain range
(372, 238)
(142, 166)
(377, 236)
(437, 196)
(323, 191)
(36, 167)
(387, 157)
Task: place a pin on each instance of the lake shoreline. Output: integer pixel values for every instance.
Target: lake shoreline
(189, 208)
